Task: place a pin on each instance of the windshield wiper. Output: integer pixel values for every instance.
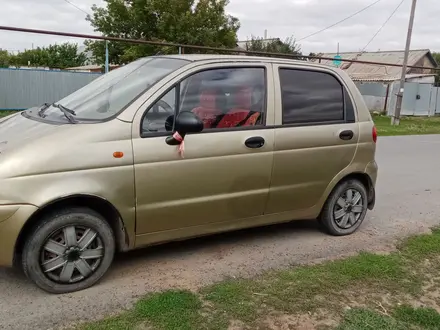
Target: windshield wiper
(43, 108)
(68, 113)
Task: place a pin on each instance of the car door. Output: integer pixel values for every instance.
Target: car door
(220, 179)
(316, 139)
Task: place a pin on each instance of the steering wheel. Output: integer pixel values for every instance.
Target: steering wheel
(155, 119)
(164, 105)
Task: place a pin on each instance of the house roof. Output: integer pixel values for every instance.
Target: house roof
(379, 72)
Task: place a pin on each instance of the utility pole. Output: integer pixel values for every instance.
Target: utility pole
(106, 57)
(395, 119)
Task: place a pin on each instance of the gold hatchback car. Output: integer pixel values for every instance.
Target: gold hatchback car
(172, 147)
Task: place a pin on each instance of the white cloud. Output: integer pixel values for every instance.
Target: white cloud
(281, 18)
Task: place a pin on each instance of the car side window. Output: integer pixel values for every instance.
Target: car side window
(311, 97)
(226, 97)
(160, 117)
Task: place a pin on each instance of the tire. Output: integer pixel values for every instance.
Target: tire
(86, 257)
(330, 217)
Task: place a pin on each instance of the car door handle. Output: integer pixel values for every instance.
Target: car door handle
(346, 135)
(254, 142)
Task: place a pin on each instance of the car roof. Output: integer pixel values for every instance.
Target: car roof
(240, 58)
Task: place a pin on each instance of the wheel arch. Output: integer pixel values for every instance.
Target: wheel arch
(95, 203)
(366, 180)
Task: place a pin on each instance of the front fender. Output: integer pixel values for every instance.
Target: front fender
(115, 185)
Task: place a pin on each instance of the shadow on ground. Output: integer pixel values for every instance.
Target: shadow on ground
(218, 244)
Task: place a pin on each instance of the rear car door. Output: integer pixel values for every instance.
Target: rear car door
(222, 178)
(316, 138)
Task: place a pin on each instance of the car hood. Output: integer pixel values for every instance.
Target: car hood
(17, 130)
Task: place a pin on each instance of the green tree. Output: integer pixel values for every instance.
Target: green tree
(288, 46)
(193, 22)
(4, 59)
(54, 56)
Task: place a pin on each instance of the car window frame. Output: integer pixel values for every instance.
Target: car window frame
(176, 87)
(212, 66)
(349, 108)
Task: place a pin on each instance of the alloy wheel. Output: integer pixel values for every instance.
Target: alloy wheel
(348, 208)
(71, 254)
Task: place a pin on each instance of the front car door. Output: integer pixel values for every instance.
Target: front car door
(220, 181)
(316, 139)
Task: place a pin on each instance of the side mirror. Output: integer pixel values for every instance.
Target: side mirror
(186, 122)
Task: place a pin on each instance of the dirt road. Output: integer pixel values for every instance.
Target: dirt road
(407, 202)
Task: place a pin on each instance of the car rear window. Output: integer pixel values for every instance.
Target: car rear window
(311, 97)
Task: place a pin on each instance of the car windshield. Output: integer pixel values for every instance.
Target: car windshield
(111, 93)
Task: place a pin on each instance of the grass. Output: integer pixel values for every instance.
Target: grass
(304, 289)
(4, 113)
(401, 318)
(423, 246)
(408, 126)
(168, 310)
(171, 310)
(364, 319)
(367, 291)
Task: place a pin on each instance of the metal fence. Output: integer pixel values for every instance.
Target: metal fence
(375, 95)
(435, 99)
(24, 88)
(419, 99)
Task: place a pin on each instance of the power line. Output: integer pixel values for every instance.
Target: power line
(383, 25)
(341, 21)
(217, 49)
(72, 4)
(106, 42)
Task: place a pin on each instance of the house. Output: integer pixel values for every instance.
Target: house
(383, 73)
(38, 68)
(379, 84)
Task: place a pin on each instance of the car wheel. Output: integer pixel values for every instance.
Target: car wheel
(345, 208)
(69, 250)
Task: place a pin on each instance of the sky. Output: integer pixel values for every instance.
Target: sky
(281, 18)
